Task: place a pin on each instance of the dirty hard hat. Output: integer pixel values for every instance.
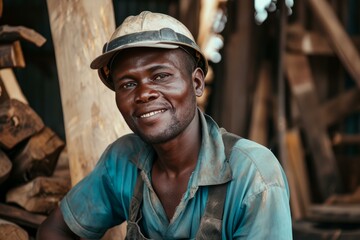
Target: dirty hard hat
(147, 29)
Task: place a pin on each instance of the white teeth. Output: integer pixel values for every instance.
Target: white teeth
(151, 113)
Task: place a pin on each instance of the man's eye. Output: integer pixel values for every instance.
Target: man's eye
(128, 85)
(160, 76)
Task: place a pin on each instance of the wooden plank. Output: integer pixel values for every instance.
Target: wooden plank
(338, 37)
(259, 118)
(11, 34)
(239, 59)
(338, 108)
(20, 216)
(302, 87)
(11, 55)
(17, 123)
(10, 87)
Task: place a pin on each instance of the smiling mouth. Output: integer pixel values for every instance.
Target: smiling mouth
(150, 114)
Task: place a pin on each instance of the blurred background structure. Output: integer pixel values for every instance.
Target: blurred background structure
(283, 73)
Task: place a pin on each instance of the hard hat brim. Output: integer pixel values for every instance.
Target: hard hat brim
(104, 59)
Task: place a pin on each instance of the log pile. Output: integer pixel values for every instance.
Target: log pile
(33, 176)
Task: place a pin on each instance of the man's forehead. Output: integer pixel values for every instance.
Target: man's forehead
(147, 53)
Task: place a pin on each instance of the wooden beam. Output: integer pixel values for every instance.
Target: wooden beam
(346, 139)
(190, 8)
(312, 43)
(335, 214)
(239, 65)
(338, 108)
(10, 34)
(302, 87)
(341, 42)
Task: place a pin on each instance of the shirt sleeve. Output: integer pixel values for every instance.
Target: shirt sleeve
(91, 207)
(267, 215)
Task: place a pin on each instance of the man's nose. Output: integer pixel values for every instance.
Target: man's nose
(146, 93)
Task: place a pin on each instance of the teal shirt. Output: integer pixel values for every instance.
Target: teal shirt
(256, 205)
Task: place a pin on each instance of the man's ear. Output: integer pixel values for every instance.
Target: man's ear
(198, 81)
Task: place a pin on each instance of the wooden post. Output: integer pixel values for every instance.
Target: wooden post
(239, 68)
(302, 87)
(92, 121)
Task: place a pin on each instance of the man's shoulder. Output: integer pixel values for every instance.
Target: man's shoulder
(256, 160)
(124, 150)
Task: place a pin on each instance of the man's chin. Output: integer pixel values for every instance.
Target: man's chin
(159, 137)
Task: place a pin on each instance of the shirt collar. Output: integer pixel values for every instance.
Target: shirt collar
(212, 167)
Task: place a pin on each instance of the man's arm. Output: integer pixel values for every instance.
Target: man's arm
(55, 228)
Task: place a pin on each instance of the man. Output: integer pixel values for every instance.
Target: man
(178, 176)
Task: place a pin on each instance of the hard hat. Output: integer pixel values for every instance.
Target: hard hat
(147, 30)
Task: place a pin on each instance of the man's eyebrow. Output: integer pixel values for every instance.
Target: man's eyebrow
(157, 67)
(150, 69)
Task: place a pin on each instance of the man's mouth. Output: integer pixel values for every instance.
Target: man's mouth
(150, 114)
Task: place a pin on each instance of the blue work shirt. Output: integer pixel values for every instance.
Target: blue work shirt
(256, 205)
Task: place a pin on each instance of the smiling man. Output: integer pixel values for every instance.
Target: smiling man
(178, 176)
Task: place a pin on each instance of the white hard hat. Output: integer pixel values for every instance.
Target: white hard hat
(147, 30)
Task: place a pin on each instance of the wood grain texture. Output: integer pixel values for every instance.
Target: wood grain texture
(17, 122)
(11, 231)
(79, 30)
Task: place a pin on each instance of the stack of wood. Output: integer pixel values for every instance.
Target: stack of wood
(29, 151)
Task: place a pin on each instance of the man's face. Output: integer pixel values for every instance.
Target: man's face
(156, 91)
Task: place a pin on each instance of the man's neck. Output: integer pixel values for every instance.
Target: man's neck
(180, 155)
